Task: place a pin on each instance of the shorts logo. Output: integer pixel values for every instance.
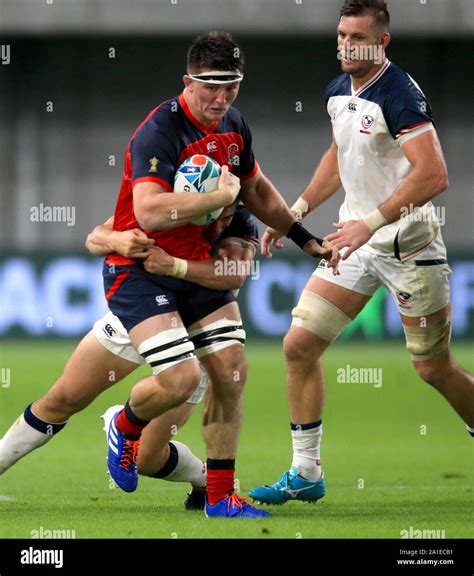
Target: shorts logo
(323, 264)
(109, 330)
(403, 298)
(212, 146)
(161, 300)
(352, 107)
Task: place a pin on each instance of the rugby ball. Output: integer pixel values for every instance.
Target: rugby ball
(199, 173)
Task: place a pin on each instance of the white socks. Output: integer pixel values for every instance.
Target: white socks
(183, 466)
(18, 441)
(306, 448)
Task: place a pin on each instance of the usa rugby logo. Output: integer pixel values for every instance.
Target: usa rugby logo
(367, 122)
(403, 299)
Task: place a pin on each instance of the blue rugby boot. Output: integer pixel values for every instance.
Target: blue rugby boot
(291, 486)
(122, 454)
(233, 506)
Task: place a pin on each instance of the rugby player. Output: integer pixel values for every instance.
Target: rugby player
(387, 156)
(105, 356)
(170, 321)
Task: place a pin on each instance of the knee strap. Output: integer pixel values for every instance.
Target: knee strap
(318, 316)
(428, 341)
(166, 349)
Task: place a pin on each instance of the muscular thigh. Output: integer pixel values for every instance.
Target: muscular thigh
(90, 370)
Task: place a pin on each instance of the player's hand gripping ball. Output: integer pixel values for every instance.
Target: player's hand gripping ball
(199, 173)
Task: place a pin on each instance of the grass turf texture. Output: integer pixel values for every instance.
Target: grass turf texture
(383, 473)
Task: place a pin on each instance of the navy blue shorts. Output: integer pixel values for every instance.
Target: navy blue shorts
(134, 295)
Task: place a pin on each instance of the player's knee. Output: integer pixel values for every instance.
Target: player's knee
(435, 371)
(301, 347)
(229, 371)
(426, 370)
(180, 382)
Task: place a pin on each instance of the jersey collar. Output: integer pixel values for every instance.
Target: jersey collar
(372, 80)
(193, 120)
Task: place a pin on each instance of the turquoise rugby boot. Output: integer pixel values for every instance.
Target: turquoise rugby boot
(291, 486)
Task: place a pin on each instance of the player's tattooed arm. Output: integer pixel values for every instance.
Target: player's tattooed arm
(104, 240)
(226, 272)
(157, 209)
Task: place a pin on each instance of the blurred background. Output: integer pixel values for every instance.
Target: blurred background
(78, 76)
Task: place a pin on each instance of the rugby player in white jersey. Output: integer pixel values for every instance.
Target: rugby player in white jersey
(105, 356)
(387, 156)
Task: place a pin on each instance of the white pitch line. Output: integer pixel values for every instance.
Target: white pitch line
(4, 498)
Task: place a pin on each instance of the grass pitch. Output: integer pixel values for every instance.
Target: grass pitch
(396, 456)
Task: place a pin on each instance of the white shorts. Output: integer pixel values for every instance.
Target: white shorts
(418, 286)
(111, 333)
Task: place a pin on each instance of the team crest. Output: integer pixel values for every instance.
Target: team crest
(233, 154)
(153, 164)
(367, 121)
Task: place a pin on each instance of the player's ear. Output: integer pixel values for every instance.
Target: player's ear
(386, 39)
(187, 81)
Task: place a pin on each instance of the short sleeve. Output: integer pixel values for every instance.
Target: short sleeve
(406, 109)
(153, 157)
(247, 166)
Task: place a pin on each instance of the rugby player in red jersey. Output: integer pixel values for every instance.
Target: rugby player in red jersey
(172, 322)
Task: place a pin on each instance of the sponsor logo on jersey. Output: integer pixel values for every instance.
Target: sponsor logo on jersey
(233, 154)
(352, 107)
(161, 300)
(153, 164)
(403, 299)
(212, 146)
(109, 330)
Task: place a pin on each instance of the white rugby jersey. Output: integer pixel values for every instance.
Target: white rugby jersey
(369, 126)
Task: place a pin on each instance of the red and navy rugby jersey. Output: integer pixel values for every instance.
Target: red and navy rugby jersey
(167, 136)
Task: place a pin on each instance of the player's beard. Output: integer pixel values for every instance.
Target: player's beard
(357, 68)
